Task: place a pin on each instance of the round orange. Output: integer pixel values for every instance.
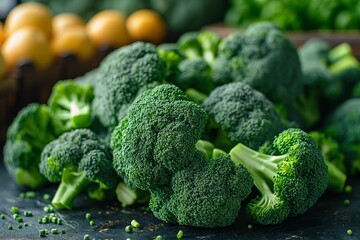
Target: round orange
(29, 14)
(146, 25)
(27, 44)
(107, 28)
(75, 41)
(63, 21)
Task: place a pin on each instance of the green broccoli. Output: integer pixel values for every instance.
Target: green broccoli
(206, 194)
(334, 160)
(122, 75)
(33, 128)
(290, 182)
(71, 103)
(240, 114)
(157, 137)
(343, 125)
(77, 159)
(263, 57)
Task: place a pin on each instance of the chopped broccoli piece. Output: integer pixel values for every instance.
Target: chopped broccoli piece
(77, 159)
(71, 103)
(289, 183)
(33, 128)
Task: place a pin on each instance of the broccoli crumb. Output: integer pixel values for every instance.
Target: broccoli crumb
(30, 194)
(54, 231)
(348, 189)
(159, 237)
(2, 216)
(14, 210)
(92, 223)
(179, 234)
(249, 226)
(135, 223)
(129, 229)
(42, 233)
(28, 214)
(22, 195)
(10, 227)
(26, 224)
(346, 202)
(20, 226)
(46, 197)
(59, 221)
(86, 237)
(88, 215)
(63, 231)
(349, 232)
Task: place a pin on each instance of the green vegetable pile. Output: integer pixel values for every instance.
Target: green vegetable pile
(198, 129)
(296, 15)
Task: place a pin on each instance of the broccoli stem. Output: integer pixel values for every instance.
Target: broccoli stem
(262, 167)
(337, 178)
(72, 183)
(76, 111)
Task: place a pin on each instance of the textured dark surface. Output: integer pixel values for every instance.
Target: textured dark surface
(329, 219)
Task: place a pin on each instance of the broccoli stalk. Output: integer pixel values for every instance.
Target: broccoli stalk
(72, 183)
(289, 182)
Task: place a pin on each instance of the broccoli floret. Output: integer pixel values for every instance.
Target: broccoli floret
(208, 194)
(263, 57)
(157, 137)
(203, 44)
(33, 127)
(334, 160)
(71, 103)
(171, 55)
(239, 113)
(77, 159)
(124, 74)
(343, 125)
(290, 182)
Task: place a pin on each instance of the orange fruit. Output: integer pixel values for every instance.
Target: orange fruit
(2, 34)
(29, 14)
(107, 28)
(27, 44)
(146, 25)
(63, 21)
(75, 41)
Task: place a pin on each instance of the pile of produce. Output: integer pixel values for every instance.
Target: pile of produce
(198, 129)
(296, 15)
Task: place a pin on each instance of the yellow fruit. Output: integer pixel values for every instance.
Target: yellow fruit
(27, 44)
(146, 25)
(29, 14)
(107, 28)
(63, 21)
(75, 41)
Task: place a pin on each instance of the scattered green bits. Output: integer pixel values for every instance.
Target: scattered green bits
(14, 210)
(54, 231)
(349, 232)
(92, 223)
(88, 216)
(26, 224)
(86, 237)
(348, 189)
(179, 234)
(135, 223)
(249, 226)
(346, 202)
(22, 195)
(63, 231)
(30, 194)
(46, 197)
(19, 219)
(28, 214)
(44, 220)
(10, 227)
(15, 216)
(42, 233)
(159, 237)
(20, 226)
(59, 221)
(129, 229)
(2, 216)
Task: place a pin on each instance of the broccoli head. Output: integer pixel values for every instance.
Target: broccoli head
(157, 137)
(239, 113)
(263, 57)
(343, 125)
(122, 75)
(71, 103)
(33, 128)
(77, 159)
(289, 182)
